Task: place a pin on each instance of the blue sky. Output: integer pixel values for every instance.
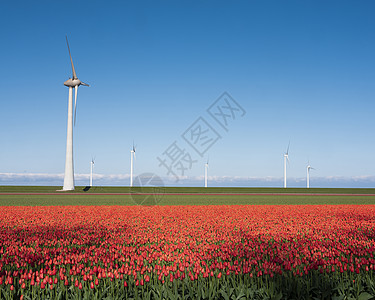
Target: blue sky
(302, 70)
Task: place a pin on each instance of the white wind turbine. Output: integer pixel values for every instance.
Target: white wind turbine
(132, 157)
(91, 170)
(72, 83)
(308, 168)
(205, 173)
(286, 158)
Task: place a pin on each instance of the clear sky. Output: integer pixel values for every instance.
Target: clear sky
(302, 71)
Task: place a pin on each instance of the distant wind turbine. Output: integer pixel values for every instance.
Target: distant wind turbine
(132, 156)
(72, 83)
(308, 168)
(286, 158)
(205, 173)
(91, 169)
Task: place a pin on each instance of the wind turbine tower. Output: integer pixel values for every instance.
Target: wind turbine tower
(132, 157)
(286, 158)
(72, 83)
(205, 173)
(91, 170)
(308, 168)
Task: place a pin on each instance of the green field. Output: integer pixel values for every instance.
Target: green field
(188, 190)
(48, 195)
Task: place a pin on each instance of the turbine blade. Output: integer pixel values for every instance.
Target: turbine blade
(75, 104)
(85, 84)
(71, 60)
(287, 150)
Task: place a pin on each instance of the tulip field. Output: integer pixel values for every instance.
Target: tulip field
(187, 252)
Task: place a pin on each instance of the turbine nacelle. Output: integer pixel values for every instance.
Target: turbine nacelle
(72, 82)
(133, 149)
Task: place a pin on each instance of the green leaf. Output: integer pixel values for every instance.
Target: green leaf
(224, 294)
(365, 296)
(170, 294)
(279, 296)
(241, 295)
